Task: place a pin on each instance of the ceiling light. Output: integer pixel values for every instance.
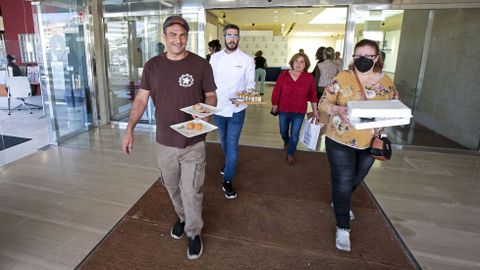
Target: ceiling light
(300, 12)
(331, 16)
(275, 11)
(167, 4)
(313, 34)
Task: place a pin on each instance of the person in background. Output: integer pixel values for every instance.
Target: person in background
(301, 51)
(160, 48)
(213, 47)
(13, 66)
(316, 72)
(260, 70)
(233, 71)
(294, 88)
(348, 148)
(328, 69)
(175, 80)
(338, 60)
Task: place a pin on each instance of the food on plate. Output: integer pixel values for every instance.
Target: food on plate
(198, 126)
(199, 108)
(248, 96)
(190, 125)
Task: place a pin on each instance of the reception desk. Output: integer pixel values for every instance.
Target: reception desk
(273, 73)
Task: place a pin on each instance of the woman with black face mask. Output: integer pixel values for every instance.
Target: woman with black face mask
(348, 148)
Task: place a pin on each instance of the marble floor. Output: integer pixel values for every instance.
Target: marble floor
(23, 124)
(56, 204)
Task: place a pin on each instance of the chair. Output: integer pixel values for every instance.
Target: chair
(19, 88)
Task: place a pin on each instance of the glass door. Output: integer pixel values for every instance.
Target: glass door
(422, 48)
(63, 66)
(132, 39)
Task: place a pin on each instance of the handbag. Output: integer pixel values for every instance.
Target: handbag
(380, 146)
(274, 113)
(277, 112)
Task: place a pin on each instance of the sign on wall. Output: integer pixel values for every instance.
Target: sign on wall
(275, 49)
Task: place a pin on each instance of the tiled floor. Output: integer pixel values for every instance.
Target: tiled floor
(56, 204)
(23, 124)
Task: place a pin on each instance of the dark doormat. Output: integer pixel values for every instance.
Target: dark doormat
(9, 141)
(281, 219)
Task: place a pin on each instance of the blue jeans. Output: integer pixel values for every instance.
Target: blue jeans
(290, 124)
(229, 129)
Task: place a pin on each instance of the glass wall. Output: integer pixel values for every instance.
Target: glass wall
(60, 26)
(428, 54)
(132, 39)
(434, 75)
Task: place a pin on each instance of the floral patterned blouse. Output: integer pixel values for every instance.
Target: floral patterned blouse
(340, 91)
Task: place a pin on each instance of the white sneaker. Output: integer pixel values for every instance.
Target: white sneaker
(342, 239)
(352, 216)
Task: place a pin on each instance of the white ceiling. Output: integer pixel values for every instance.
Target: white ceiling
(312, 21)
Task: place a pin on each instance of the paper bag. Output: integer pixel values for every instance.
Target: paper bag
(310, 133)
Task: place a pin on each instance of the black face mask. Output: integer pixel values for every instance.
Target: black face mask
(363, 64)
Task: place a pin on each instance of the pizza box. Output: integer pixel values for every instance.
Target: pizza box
(378, 108)
(367, 123)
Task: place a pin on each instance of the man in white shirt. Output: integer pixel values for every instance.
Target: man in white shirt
(233, 71)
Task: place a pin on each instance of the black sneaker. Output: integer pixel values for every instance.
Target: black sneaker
(178, 230)
(195, 247)
(222, 170)
(228, 190)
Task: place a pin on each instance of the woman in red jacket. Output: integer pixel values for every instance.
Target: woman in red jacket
(294, 88)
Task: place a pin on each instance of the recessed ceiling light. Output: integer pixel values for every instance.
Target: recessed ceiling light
(313, 34)
(167, 4)
(275, 11)
(300, 12)
(331, 16)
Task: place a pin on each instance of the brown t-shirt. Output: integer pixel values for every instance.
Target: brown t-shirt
(174, 85)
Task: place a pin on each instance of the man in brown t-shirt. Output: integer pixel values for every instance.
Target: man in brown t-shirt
(176, 79)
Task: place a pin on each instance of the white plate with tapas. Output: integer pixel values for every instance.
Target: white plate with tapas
(193, 128)
(200, 109)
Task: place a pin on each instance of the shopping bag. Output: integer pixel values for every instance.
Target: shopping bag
(323, 120)
(310, 133)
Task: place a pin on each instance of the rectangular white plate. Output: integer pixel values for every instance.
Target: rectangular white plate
(190, 110)
(189, 133)
(379, 123)
(379, 108)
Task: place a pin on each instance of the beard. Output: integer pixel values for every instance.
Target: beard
(232, 46)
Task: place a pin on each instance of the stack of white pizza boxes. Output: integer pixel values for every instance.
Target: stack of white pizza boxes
(378, 113)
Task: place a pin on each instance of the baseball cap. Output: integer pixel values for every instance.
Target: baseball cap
(176, 20)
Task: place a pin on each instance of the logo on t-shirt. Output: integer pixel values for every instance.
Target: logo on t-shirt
(186, 80)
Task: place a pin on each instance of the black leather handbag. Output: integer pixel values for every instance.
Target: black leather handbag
(274, 113)
(381, 147)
